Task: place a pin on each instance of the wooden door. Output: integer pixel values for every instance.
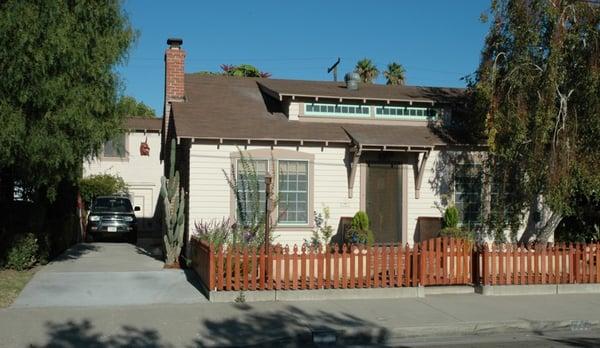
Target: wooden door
(383, 198)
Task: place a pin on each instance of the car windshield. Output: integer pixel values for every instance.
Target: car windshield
(118, 205)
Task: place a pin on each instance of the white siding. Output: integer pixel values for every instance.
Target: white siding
(210, 194)
(429, 201)
(141, 173)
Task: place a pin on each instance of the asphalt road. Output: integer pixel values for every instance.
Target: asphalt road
(509, 340)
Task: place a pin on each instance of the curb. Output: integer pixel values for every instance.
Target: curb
(488, 328)
(537, 289)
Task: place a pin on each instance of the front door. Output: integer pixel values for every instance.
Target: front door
(384, 202)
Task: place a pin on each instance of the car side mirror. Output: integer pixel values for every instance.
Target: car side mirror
(137, 209)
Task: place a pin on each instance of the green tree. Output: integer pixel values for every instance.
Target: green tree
(243, 70)
(539, 80)
(395, 74)
(59, 87)
(367, 71)
(58, 101)
(130, 107)
(101, 185)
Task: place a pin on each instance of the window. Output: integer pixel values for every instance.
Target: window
(293, 192)
(405, 113)
(340, 110)
(119, 205)
(250, 206)
(115, 148)
(292, 187)
(499, 207)
(468, 184)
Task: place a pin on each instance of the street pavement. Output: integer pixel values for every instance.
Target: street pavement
(389, 322)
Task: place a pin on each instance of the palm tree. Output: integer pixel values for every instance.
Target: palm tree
(395, 74)
(366, 70)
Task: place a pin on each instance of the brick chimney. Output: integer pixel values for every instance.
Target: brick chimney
(174, 79)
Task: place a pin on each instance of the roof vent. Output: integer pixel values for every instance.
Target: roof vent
(352, 80)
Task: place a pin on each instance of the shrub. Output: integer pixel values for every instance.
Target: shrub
(323, 232)
(23, 253)
(458, 233)
(450, 217)
(215, 232)
(251, 218)
(359, 232)
(101, 185)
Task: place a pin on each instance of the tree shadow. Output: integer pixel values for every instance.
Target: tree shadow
(576, 341)
(82, 334)
(291, 326)
(152, 251)
(76, 252)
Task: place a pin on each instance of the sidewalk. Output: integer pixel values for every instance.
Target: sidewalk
(277, 323)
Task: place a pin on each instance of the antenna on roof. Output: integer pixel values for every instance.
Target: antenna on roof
(334, 68)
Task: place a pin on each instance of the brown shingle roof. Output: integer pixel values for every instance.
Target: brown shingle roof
(141, 124)
(372, 135)
(222, 107)
(326, 89)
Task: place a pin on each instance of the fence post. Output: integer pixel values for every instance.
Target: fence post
(485, 265)
(211, 267)
(422, 260)
(475, 272)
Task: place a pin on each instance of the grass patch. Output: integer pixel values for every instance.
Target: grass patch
(11, 284)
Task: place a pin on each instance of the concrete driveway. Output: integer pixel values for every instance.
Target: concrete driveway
(108, 274)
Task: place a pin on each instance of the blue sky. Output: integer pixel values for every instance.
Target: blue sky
(438, 42)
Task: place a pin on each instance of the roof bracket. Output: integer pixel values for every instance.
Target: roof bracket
(353, 166)
(420, 172)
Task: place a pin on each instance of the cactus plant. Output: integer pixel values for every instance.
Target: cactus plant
(173, 198)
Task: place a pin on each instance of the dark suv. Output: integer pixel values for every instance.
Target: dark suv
(112, 216)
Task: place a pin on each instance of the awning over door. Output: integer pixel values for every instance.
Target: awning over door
(416, 139)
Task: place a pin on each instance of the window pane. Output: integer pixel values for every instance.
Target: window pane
(467, 194)
(115, 147)
(251, 193)
(293, 192)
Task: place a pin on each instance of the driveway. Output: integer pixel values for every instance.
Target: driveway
(108, 274)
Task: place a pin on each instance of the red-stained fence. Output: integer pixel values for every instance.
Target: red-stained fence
(441, 261)
(510, 264)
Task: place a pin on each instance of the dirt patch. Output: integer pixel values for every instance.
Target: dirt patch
(11, 284)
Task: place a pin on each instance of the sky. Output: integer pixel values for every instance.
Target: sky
(437, 41)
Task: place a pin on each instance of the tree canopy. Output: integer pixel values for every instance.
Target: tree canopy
(367, 70)
(539, 85)
(395, 74)
(58, 96)
(130, 107)
(243, 70)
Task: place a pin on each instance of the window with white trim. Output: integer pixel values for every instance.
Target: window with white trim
(402, 112)
(293, 192)
(344, 110)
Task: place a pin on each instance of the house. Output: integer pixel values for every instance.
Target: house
(135, 156)
(374, 149)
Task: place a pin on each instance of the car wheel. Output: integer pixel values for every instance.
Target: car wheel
(89, 238)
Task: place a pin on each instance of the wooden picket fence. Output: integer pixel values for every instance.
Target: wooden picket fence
(441, 261)
(445, 261)
(510, 264)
